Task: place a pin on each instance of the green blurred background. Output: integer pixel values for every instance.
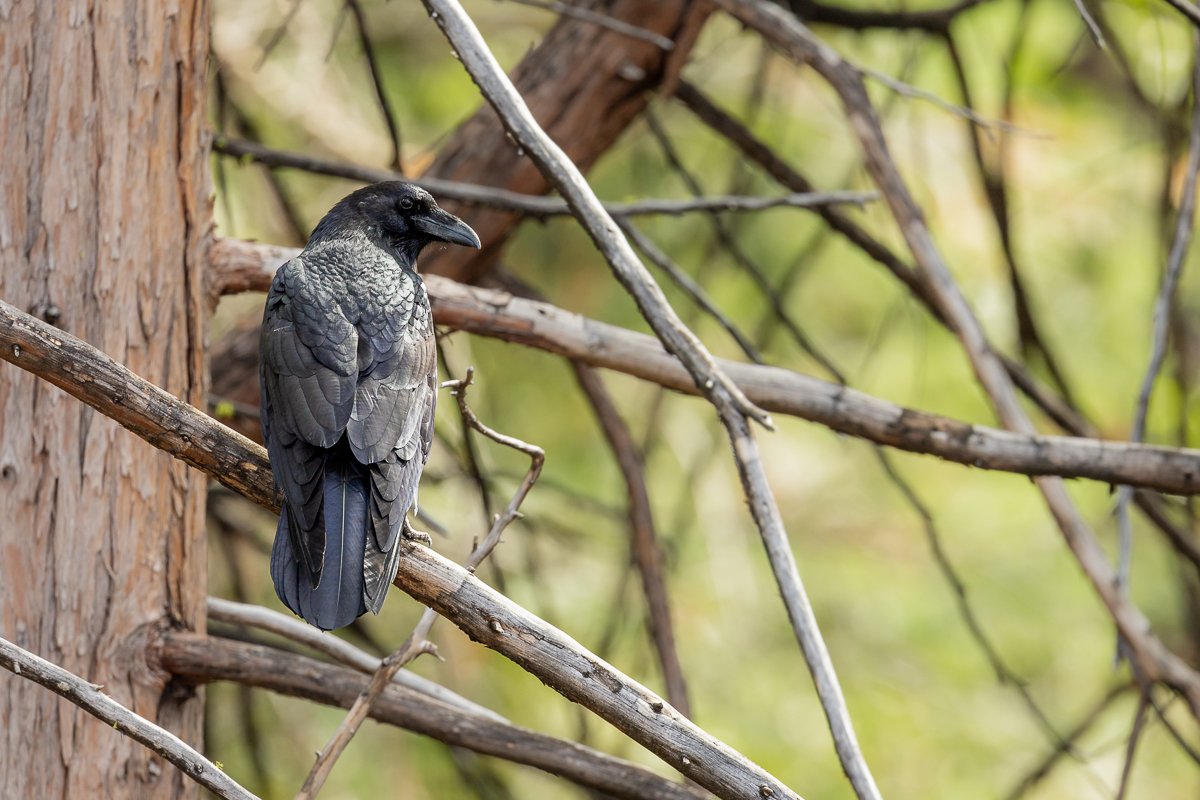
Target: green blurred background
(1086, 171)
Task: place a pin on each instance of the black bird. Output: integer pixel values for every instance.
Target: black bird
(349, 383)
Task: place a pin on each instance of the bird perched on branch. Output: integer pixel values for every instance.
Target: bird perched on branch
(349, 383)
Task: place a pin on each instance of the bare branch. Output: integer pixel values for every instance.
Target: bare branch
(1135, 735)
(92, 699)
(530, 205)
(1089, 22)
(385, 105)
(689, 286)
(1074, 735)
(644, 543)
(1153, 659)
(501, 315)
(733, 408)
(294, 630)
(1162, 318)
(202, 659)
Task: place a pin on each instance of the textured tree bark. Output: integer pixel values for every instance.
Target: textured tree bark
(104, 221)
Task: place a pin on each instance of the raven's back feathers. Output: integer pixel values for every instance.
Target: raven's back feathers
(349, 389)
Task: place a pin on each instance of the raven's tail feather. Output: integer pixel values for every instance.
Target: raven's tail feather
(337, 599)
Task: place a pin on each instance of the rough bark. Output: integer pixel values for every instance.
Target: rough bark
(584, 85)
(104, 218)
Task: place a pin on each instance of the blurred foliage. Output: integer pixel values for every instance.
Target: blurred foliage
(1087, 169)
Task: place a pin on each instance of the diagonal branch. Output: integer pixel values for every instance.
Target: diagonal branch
(293, 629)
(733, 408)
(92, 699)
(645, 545)
(1149, 655)
(1162, 316)
(385, 105)
(202, 659)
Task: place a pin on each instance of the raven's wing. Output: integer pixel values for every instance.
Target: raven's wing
(391, 424)
(309, 369)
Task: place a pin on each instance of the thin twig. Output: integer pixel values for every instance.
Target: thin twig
(1148, 654)
(689, 286)
(470, 453)
(417, 642)
(203, 659)
(601, 20)
(340, 650)
(644, 544)
(1184, 225)
(385, 105)
(995, 191)
(277, 35)
(724, 237)
(91, 698)
(1035, 775)
(1004, 673)
(733, 408)
(1089, 22)
(530, 205)
(1161, 712)
(1135, 735)
(917, 93)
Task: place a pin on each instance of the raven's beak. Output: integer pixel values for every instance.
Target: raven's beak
(445, 227)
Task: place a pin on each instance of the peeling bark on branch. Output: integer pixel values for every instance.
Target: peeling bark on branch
(497, 314)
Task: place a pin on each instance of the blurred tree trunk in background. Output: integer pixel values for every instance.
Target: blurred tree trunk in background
(104, 218)
(584, 85)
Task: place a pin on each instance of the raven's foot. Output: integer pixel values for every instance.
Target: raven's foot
(413, 535)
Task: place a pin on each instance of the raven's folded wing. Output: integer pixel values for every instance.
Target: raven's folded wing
(309, 370)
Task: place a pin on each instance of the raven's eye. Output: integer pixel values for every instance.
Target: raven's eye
(406, 204)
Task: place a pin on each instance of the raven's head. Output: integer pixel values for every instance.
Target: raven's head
(399, 217)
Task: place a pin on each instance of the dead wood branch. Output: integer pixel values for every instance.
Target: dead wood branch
(1150, 657)
(242, 266)
(533, 206)
(644, 543)
(203, 659)
(92, 699)
(296, 630)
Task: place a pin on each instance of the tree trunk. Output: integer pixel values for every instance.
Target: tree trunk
(104, 219)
